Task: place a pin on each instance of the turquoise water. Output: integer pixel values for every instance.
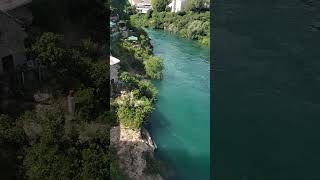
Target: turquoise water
(180, 124)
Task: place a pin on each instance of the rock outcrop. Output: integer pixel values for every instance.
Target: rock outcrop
(131, 145)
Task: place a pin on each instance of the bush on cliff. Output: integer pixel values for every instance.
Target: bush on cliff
(133, 110)
(154, 66)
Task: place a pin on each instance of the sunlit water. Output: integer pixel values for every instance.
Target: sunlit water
(180, 124)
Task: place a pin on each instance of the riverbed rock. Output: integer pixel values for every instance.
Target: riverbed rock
(131, 145)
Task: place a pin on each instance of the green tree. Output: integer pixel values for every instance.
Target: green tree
(154, 66)
(44, 161)
(52, 121)
(89, 48)
(10, 132)
(96, 157)
(99, 75)
(132, 111)
(197, 5)
(49, 49)
(86, 103)
(144, 88)
(63, 156)
(159, 5)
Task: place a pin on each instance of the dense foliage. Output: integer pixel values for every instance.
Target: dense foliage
(77, 68)
(132, 110)
(134, 82)
(138, 58)
(50, 49)
(189, 24)
(58, 152)
(159, 5)
(10, 132)
(134, 106)
(49, 143)
(85, 103)
(153, 66)
(197, 5)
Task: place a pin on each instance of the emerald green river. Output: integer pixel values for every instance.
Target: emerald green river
(180, 124)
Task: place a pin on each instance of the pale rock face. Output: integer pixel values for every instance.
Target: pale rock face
(130, 148)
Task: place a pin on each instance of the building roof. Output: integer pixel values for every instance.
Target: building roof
(113, 60)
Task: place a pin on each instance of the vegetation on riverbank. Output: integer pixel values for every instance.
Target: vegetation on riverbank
(134, 107)
(134, 95)
(138, 66)
(192, 25)
(192, 22)
(48, 142)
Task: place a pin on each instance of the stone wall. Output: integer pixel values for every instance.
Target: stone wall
(114, 72)
(12, 37)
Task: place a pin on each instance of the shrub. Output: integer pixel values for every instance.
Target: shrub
(154, 67)
(143, 87)
(159, 5)
(132, 111)
(10, 133)
(195, 30)
(89, 48)
(49, 49)
(85, 104)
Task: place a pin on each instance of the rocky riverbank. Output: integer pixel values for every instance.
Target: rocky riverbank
(131, 146)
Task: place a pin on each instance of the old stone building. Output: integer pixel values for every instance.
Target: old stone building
(12, 49)
(12, 34)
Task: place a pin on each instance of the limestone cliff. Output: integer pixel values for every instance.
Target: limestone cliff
(131, 145)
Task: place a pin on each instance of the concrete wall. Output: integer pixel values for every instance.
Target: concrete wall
(11, 40)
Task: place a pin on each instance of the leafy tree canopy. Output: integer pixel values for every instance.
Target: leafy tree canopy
(159, 5)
